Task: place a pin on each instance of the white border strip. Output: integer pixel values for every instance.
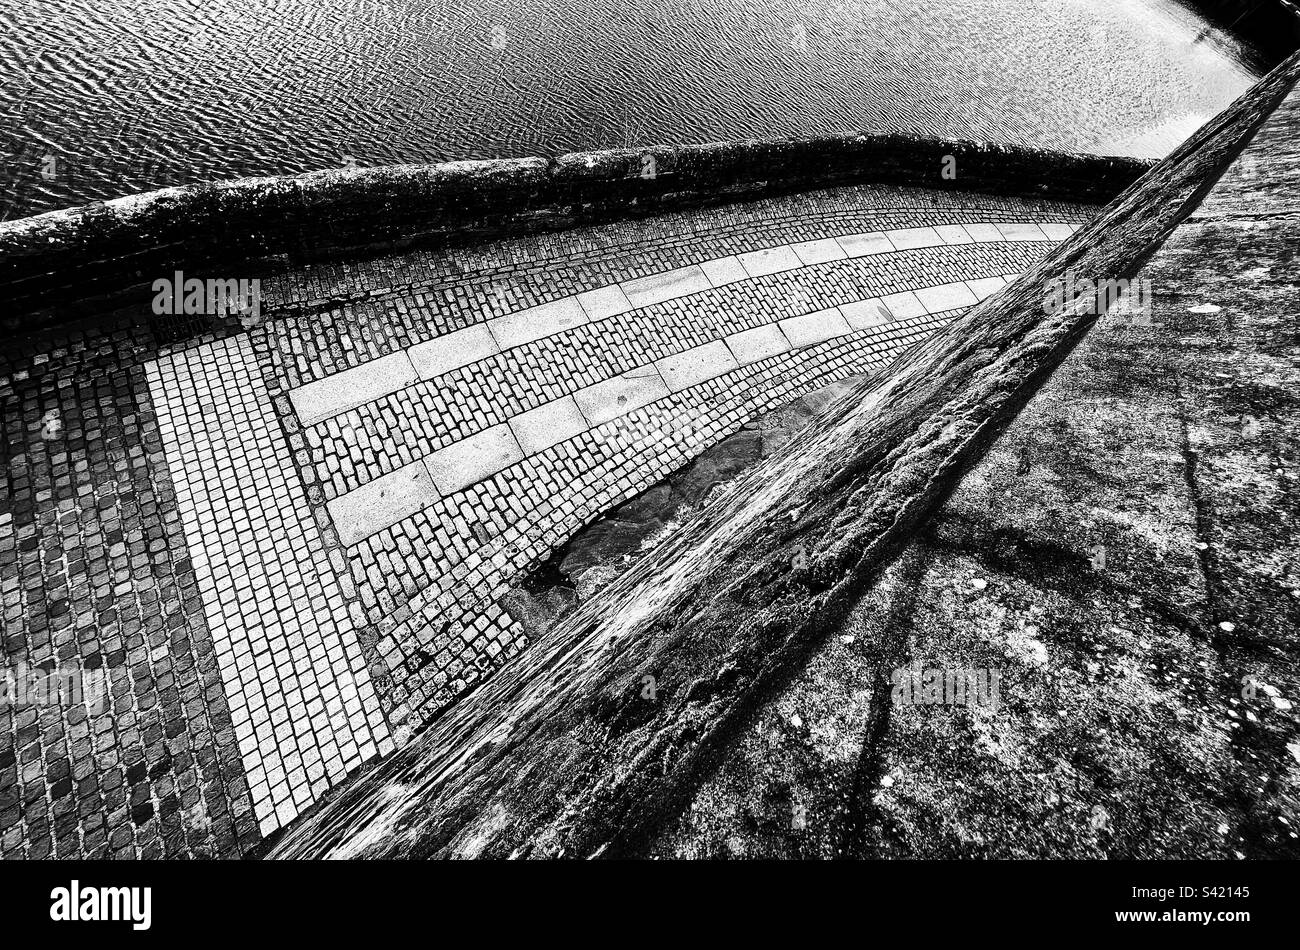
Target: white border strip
(324, 398)
(388, 499)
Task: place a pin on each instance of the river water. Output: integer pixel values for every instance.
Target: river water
(102, 98)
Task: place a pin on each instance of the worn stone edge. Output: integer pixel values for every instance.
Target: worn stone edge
(51, 262)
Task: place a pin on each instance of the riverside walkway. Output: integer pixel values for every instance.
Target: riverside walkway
(288, 547)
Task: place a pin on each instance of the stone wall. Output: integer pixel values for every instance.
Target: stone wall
(67, 263)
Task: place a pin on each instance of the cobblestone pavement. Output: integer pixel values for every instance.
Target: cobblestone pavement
(288, 547)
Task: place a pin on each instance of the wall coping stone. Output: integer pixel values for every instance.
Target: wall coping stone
(79, 261)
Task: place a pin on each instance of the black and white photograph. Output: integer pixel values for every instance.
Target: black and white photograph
(713, 445)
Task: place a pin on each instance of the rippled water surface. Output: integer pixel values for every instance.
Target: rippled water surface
(108, 97)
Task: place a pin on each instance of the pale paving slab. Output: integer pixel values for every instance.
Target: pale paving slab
(453, 350)
(983, 233)
(815, 327)
(549, 424)
(904, 306)
(618, 395)
(946, 297)
(985, 287)
(862, 314)
(473, 458)
(690, 367)
(906, 238)
(750, 346)
(382, 501)
(605, 302)
(770, 260)
(819, 252)
(557, 421)
(1021, 232)
(301, 701)
(724, 270)
(323, 398)
(645, 291)
(525, 326)
(861, 245)
(1057, 232)
(953, 234)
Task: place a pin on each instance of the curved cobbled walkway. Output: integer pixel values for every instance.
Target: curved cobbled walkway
(290, 546)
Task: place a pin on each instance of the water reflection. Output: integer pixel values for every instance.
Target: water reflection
(108, 97)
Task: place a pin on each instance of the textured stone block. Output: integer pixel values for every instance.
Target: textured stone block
(904, 238)
(819, 252)
(946, 297)
(382, 502)
(683, 370)
(750, 346)
(983, 233)
(984, 287)
(534, 323)
(644, 291)
(815, 327)
(352, 387)
(770, 260)
(953, 234)
(611, 398)
(862, 314)
(860, 245)
(473, 458)
(904, 306)
(724, 270)
(547, 425)
(605, 302)
(452, 351)
(1022, 232)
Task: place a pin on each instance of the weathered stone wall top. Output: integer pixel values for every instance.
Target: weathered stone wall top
(52, 262)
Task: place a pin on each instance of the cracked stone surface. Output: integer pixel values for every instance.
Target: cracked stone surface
(1125, 558)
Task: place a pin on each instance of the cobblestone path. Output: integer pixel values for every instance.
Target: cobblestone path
(287, 547)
